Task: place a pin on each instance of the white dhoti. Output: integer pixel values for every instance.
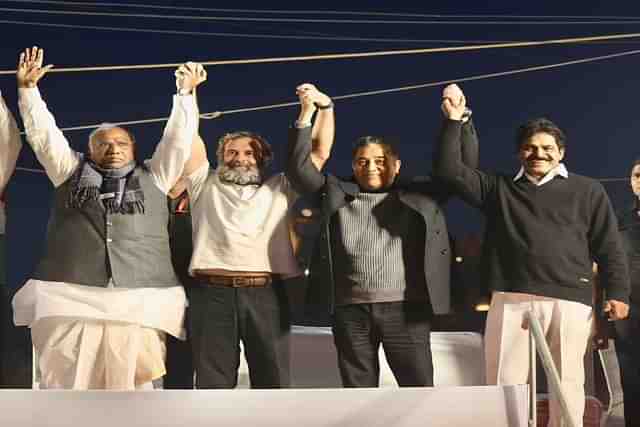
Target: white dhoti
(99, 338)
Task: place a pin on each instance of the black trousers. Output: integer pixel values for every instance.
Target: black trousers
(179, 364)
(220, 317)
(402, 328)
(628, 352)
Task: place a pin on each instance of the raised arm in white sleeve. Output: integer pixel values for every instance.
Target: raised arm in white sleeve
(10, 144)
(174, 150)
(45, 138)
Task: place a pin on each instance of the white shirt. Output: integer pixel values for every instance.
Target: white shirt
(38, 299)
(241, 228)
(10, 145)
(559, 170)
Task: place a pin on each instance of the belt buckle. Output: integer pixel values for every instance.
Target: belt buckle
(241, 282)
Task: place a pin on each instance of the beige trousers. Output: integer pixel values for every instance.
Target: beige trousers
(567, 327)
(87, 354)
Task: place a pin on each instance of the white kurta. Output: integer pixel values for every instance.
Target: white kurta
(241, 227)
(91, 337)
(104, 338)
(10, 145)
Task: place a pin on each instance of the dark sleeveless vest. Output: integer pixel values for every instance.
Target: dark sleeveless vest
(88, 246)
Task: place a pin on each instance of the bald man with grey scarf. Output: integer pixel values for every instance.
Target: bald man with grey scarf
(107, 257)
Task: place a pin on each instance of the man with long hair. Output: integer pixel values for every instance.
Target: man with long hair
(241, 253)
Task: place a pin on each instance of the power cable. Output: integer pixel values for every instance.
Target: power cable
(348, 55)
(245, 35)
(316, 20)
(217, 114)
(315, 12)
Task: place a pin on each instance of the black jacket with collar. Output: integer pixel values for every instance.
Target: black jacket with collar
(422, 194)
(629, 226)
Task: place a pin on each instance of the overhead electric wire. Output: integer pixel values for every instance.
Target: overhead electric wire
(599, 20)
(216, 114)
(307, 35)
(314, 12)
(242, 35)
(347, 55)
(315, 20)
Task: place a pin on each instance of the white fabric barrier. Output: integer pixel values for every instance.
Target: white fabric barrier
(458, 359)
(404, 407)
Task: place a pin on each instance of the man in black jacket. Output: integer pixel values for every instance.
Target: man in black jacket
(628, 330)
(545, 228)
(383, 254)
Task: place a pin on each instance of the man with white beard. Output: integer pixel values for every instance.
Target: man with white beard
(241, 253)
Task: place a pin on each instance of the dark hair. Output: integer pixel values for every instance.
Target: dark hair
(388, 146)
(261, 148)
(635, 163)
(540, 125)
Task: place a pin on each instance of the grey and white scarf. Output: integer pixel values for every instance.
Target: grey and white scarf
(118, 189)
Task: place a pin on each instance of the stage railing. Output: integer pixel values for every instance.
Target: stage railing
(537, 342)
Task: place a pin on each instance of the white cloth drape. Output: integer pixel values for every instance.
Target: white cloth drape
(88, 337)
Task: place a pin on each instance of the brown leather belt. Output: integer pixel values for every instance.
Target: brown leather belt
(234, 281)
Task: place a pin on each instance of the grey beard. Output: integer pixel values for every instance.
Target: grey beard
(239, 175)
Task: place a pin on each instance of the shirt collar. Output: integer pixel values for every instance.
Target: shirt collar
(560, 170)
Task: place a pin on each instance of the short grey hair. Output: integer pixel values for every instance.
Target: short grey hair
(103, 127)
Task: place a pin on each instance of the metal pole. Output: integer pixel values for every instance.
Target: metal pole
(553, 378)
(533, 399)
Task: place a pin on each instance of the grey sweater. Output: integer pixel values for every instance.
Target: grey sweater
(379, 247)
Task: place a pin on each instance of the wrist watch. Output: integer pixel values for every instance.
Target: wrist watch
(301, 124)
(183, 91)
(466, 115)
(324, 107)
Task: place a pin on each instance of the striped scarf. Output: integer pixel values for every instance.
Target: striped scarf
(118, 189)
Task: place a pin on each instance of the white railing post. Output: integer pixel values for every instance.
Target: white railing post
(553, 379)
(533, 401)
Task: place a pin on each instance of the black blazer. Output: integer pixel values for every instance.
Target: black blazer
(422, 194)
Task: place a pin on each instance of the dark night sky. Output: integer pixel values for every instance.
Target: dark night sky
(595, 103)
